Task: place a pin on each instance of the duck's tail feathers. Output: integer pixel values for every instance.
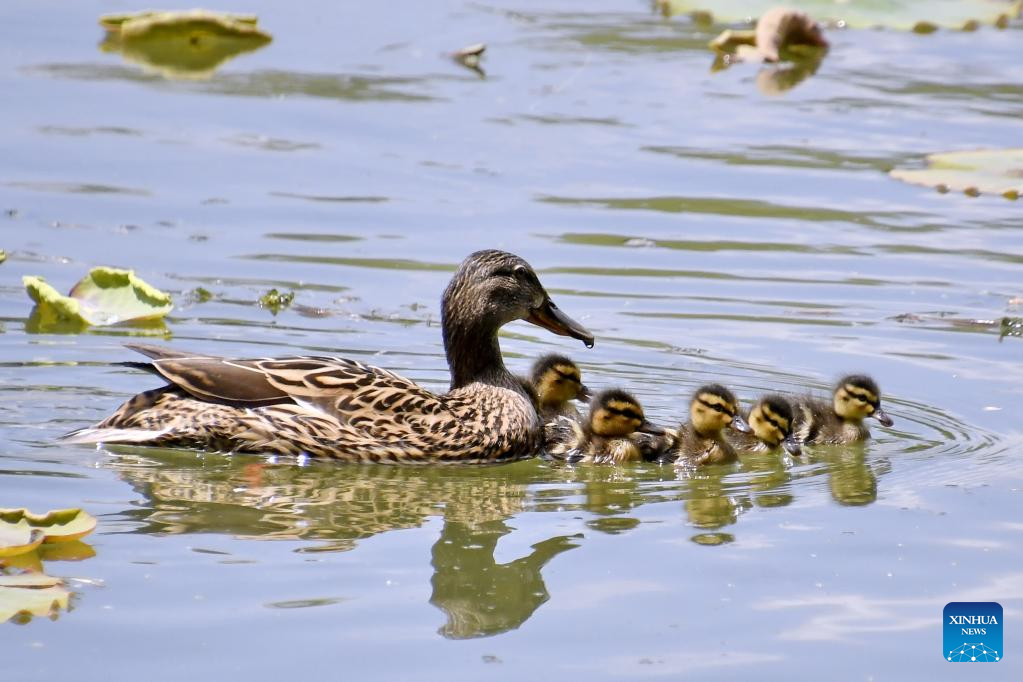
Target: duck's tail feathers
(111, 435)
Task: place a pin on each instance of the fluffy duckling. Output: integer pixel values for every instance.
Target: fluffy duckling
(701, 440)
(855, 398)
(557, 381)
(771, 420)
(616, 432)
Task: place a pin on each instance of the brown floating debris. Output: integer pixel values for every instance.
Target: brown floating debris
(469, 57)
(780, 28)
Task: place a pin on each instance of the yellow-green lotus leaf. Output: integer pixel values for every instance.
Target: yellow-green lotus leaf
(18, 537)
(189, 44)
(992, 171)
(58, 525)
(31, 594)
(105, 296)
(74, 550)
(898, 14)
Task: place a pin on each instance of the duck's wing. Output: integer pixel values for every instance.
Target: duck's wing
(346, 390)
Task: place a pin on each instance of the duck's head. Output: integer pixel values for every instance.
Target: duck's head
(616, 414)
(771, 422)
(490, 289)
(713, 408)
(556, 380)
(858, 397)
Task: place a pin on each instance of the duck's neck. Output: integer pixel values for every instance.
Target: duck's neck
(474, 355)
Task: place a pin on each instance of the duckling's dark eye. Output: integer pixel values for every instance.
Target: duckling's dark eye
(521, 271)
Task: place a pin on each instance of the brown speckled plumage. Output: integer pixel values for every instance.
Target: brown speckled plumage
(856, 397)
(701, 440)
(615, 432)
(342, 409)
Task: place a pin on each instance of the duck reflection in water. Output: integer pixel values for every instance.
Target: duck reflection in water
(245, 497)
(480, 596)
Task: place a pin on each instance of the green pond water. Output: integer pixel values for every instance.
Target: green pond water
(702, 230)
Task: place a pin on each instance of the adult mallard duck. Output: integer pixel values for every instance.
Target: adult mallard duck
(615, 432)
(557, 381)
(771, 421)
(855, 398)
(345, 410)
(701, 440)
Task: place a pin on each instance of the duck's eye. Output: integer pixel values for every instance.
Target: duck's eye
(520, 270)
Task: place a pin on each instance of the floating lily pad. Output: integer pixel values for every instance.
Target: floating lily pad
(31, 594)
(58, 525)
(898, 14)
(276, 301)
(188, 45)
(993, 171)
(105, 296)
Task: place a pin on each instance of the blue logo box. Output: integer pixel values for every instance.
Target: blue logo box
(973, 632)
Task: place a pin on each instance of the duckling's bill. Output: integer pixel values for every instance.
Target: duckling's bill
(882, 416)
(740, 425)
(792, 445)
(652, 429)
(550, 317)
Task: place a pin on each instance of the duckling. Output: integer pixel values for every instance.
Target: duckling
(701, 440)
(771, 420)
(615, 432)
(855, 398)
(557, 380)
(342, 409)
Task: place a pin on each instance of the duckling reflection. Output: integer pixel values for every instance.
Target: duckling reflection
(557, 382)
(615, 432)
(709, 504)
(701, 440)
(851, 480)
(771, 420)
(856, 397)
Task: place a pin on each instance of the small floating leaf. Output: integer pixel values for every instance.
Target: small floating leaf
(105, 296)
(31, 594)
(3, 255)
(186, 44)
(898, 14)
(993, 171)
(58, 525)
(1010, 326)
(275, 301)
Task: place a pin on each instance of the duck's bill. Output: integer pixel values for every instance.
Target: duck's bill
(584, 394)
(882, 417)
(550, 317)
(740, 425)
(652, 429)
(792, 446)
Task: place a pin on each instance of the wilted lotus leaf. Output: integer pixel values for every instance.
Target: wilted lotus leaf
(992, 171)
(105, 296)
(58, 525)
(31, 594)
(190, 44)
(18, 537)
(905, 15)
